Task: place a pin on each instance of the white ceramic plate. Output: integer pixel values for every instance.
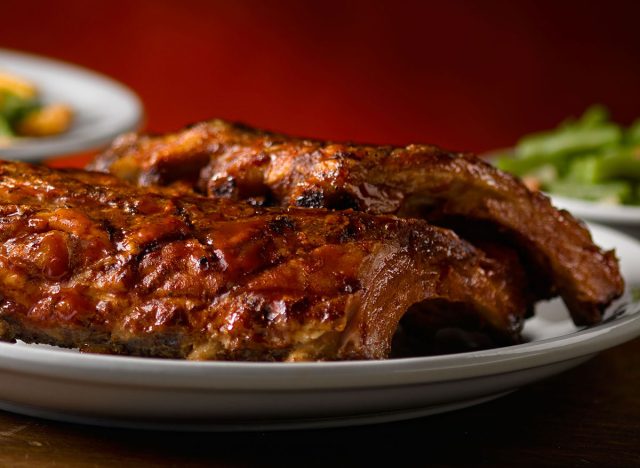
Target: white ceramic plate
(153, 393)
(103, 108)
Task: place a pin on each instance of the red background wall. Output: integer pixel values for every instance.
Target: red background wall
(465, 75)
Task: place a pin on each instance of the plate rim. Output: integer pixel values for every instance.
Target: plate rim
(152, 372)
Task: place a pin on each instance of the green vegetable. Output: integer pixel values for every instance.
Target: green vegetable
(14, 108)
(525, 166)
(5, 128)
(593, 116)
(621, 164)
(633, 134)
(613, 193)
(590, 157)
(570, 140)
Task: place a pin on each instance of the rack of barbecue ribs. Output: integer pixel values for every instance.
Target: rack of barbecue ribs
(491, 209)
(93, 262)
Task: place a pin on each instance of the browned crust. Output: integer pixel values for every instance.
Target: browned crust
(237, 162)
(92, 262)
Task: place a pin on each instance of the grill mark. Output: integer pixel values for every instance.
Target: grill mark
(183, 214)
(311, 198)
(281, 224)
(225, 188)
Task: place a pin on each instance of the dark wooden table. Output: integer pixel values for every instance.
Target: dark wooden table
(589, 416)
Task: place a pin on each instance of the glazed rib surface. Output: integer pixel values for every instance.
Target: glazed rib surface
(93, 262)
(233, 161)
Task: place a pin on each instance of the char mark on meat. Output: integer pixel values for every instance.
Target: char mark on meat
(193, 277)
(412, 181)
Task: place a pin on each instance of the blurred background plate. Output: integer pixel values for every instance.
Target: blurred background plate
(103, 108)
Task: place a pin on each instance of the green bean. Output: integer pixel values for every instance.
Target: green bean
(584, 170)
(593, 116)
(590, 157)
(609, 192)
(614, 163)
(5, 128)
(522, 167)
(633, 133)
(623, 163)
(13, 108)
(568, 141)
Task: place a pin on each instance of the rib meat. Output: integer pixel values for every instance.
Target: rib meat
(92, 262)
(233, 161)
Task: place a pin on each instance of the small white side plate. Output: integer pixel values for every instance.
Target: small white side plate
(172, 394)
(103, 108)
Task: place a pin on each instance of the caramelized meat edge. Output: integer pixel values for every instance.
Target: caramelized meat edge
(92, 262)
(233, 161)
